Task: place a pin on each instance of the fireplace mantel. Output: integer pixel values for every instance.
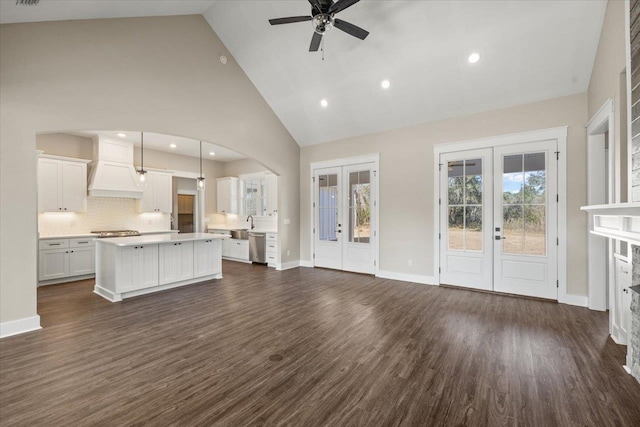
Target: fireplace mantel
(620, 221)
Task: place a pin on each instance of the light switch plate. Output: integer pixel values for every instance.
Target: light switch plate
(287, 221)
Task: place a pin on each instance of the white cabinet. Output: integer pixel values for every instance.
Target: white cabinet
(226, 244)
(137, 268)
(227, 196)
(239, 249)
(62, 185)
(53, 264)
(206, 257)
(157, 195)
(271, 249)
(176, 262)
(272, 195)
(621, 312)
(65, 258)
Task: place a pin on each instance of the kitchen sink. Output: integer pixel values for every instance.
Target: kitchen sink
(240, 234)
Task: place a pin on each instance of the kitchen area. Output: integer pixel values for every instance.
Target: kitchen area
(146, 212)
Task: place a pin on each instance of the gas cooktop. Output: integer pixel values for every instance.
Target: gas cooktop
(115, 233)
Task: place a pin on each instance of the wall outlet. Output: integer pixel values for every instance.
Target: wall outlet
(288, 252)
(287, 221)
(410, 262)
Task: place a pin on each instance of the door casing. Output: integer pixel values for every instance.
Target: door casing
(348, 161)
(560, 135)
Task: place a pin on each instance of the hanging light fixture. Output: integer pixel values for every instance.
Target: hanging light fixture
(141, 173)
(201, 178)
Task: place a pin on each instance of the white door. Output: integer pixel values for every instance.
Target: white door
(146, 268)
(499, 219)
(526, 219)
(466, 211)
(163, 188)
(148, 201)
(343, 218)
(81, 261)
(170, 263)
(54, 264)
(206, 257)
(74, 186)
(49, 185)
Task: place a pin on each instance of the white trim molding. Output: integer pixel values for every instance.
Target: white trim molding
(20, 326)
(305, 263)
(406, 277)
(558, 134)
(287, 265)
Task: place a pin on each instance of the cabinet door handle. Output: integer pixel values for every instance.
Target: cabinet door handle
(71, 251)
(82, 242)
(66, 252)
(55, 244)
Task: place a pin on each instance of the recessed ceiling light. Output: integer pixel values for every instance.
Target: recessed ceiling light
(172, 145)
(386, 84)
(211, 153)
(324, 102)
(474, 57)
(122, 135)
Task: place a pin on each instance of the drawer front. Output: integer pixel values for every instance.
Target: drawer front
(271, 247)
(271, 259)
(82, 243)
(271, 237)
(54, 244)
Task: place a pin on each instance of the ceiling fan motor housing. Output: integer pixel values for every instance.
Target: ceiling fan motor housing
(322, 22)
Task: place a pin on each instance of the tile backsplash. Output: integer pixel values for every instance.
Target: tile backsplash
(103, 213)
(261, 222)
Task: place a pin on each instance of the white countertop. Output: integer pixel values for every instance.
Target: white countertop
(229, 228)
(80, 236)
(160, 238)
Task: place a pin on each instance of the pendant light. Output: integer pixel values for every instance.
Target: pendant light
(141, 173)
(200, 178)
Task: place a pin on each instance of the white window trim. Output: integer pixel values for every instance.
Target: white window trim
(560, 135)
(370, 158)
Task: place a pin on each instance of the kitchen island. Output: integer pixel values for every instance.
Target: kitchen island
(132, 266)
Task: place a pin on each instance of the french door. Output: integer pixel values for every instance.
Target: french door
(499, 217)
(343, 218)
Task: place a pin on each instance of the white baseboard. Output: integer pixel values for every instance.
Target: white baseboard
(305, 263)
(577, 300)
(288, 265)
(20, 326)
(406, 277)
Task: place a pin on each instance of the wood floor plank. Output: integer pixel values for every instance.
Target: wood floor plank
(313, 347)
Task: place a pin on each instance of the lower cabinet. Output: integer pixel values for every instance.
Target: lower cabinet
(206, 257)
(176, 262)
(138, 268)
(239, 249)
(74, 257)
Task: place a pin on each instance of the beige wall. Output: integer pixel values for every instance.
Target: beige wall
(160, 74)
(610, 58)
(406, 179)
(606, 83)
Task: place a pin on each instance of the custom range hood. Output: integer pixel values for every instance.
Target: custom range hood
(112, 171)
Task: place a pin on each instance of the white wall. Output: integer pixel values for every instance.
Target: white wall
(160, 74)
(406, 179)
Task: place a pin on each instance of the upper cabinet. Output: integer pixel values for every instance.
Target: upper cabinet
(227, 195)
(62, 184)
(157, 195)
(272, 195)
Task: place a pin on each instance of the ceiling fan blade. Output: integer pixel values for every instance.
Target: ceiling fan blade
(349, 28)
(315, 42)
(316, 5)
(290, 20)
(342, 5)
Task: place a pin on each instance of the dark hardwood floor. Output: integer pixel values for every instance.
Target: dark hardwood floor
(309, 347)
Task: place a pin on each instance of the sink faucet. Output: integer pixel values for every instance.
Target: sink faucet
(252, 226)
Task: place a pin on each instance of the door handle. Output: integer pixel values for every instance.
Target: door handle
(500, 238)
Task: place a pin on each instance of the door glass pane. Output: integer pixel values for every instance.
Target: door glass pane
(473, 228)
(512, 179)
(465, 204)
(456, 227)
(359, 207)
(535, 230)
(513, 229)
(328, 207)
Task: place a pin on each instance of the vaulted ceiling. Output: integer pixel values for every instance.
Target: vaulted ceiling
(529, 51)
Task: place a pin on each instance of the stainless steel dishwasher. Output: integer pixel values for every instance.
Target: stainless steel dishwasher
(257, 246)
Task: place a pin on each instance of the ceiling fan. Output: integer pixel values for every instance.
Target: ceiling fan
(323, 16)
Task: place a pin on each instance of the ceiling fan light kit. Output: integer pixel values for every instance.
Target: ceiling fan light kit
(323, 19)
